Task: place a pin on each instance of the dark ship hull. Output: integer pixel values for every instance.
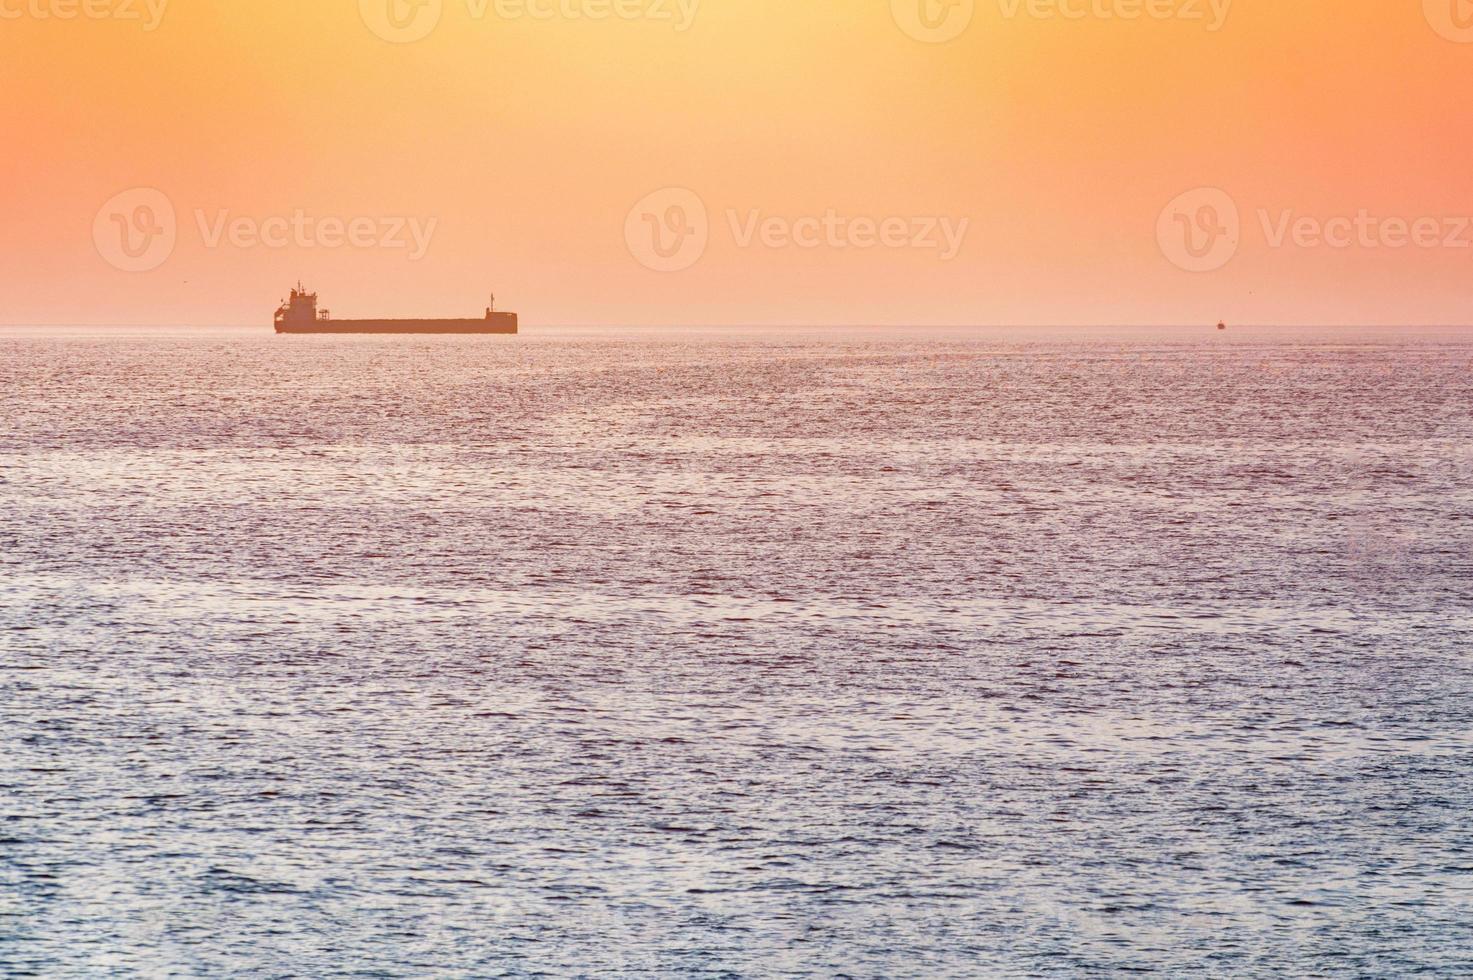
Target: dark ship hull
(499, 323)
(300, 314)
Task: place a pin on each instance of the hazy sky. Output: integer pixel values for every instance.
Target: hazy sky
(739, 161)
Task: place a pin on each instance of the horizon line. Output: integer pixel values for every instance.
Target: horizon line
(824, 326)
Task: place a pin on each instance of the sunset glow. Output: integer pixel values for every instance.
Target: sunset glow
(525, 133)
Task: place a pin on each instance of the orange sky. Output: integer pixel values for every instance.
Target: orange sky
(525, 142)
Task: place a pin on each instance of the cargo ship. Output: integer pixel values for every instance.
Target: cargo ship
(300, 314)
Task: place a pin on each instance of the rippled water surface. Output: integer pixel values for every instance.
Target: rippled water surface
(710, 654)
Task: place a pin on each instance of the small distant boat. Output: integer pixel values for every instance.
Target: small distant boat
(1221, 325)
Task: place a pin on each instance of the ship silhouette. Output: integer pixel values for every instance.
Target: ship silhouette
(300, 314)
